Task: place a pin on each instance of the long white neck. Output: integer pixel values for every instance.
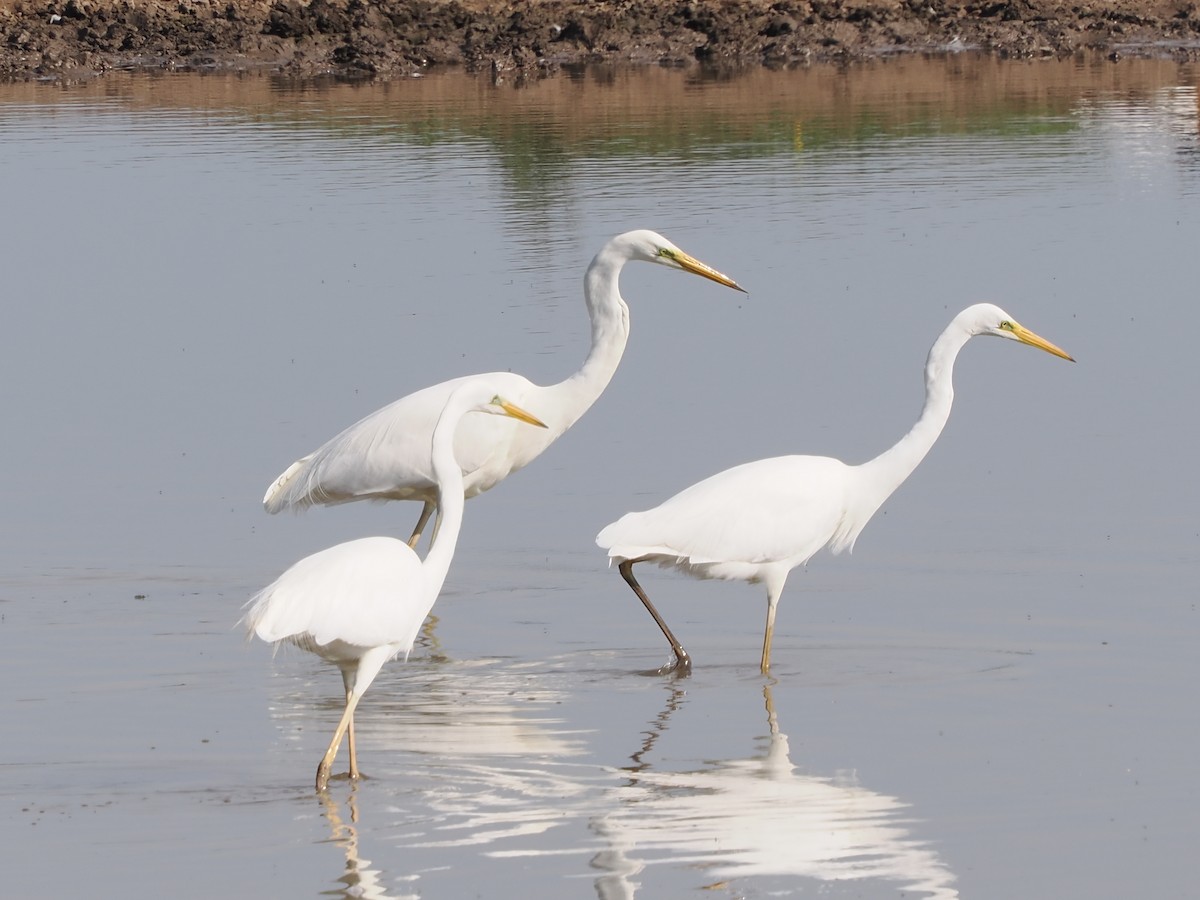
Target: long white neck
(610, 333)
(886, 472)
(449, 478)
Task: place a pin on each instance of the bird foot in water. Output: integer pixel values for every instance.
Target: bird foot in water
(323, 779)
(679, 667)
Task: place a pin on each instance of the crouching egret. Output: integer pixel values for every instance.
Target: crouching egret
(758, 521)
(386, 455)
(361, 603)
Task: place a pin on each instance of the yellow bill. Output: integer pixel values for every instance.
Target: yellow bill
(693, 265)
(1025, 336)
(511, 409)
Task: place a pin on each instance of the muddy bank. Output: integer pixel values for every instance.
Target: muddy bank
(393, 37)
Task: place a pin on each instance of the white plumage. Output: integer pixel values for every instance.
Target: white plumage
(385, 456)
(361, 603)
(758, 521)
(346, 595)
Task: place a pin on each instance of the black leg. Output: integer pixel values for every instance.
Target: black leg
(683, 662)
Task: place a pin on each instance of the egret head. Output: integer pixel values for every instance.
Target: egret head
(498, 406)
(650, 246)
(479, 395)
(985, 318)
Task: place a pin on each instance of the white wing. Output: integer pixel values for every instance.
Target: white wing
(772, 510)
(386, 456)
(366, 592)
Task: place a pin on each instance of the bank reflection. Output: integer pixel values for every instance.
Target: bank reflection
(760, 818)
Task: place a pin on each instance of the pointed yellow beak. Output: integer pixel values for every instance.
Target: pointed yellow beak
(1025, 336)
(693, 265)
(516, 412)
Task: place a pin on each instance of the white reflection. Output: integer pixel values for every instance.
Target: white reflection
(496, 765)
(466, 751)
(477, 708)
(359, 880)
(1148, 134)
(476, 806)
(476, 770)
(758, 817)
(480, 708)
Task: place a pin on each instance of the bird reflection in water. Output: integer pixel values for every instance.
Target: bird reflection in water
(465, 774)
(359, 880)
(760, 818)
(446, 715)
(516, 786)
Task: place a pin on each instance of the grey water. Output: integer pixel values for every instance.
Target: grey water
(994, 696)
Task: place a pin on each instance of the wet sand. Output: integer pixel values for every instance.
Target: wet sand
(346, 38)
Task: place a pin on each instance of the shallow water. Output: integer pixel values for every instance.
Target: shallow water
(206, 277)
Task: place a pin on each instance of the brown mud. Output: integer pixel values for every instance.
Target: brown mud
(353, 38)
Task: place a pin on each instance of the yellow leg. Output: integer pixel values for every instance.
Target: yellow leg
(350, 746)
(348, 680)
(426, 512)
(774, 589)
(766, 653)
(356, 681)
(327, 759)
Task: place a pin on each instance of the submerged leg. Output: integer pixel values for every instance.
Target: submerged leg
(683, 662)
(426, 512)
(428, 637)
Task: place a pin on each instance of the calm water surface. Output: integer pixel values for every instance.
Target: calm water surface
(994, 697)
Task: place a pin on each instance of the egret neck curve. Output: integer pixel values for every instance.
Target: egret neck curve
(451, 499)
(610, 334)
(882, 475)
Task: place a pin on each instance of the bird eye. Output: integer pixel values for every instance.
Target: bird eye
(666, 252)
(1006, 326)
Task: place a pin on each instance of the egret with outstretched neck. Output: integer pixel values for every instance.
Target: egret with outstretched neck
(386, 455)
(758, 521)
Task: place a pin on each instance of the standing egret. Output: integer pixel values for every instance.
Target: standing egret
(361, 603)
(758, 521)
(386, 455)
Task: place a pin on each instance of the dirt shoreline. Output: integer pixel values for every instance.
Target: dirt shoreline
(352, 38)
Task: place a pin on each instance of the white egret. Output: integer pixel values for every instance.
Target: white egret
(386, 455)
(361, 603)
(758, 521)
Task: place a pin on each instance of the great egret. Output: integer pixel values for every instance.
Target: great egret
(361, 603)
(386, 455)
(758, 521)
